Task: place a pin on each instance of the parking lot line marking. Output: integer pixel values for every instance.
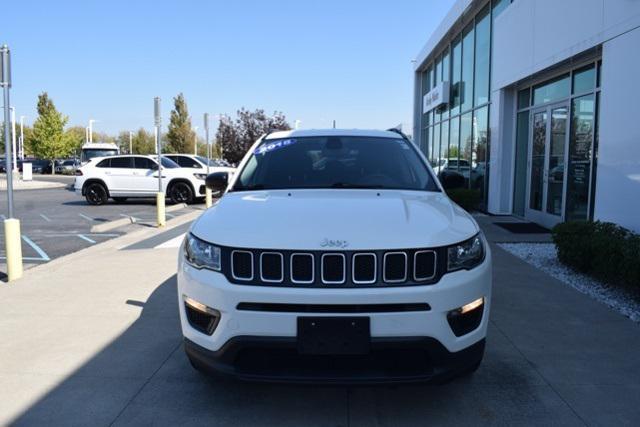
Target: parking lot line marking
(45, 217)
(43, 254)
(83, 237)
(173, 243)
(86, 217)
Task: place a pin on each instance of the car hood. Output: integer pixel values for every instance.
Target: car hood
(334, 219)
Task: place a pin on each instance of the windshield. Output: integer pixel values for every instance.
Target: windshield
(90, 153)
(212, 162)
(168, 163)
(335, 162)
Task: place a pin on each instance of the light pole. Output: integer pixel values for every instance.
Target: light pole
(160, 195)
(195, 140)
(297, 124)
(13, 140)
(22, 136)
(130, 142)
(207, 190)
(91, 121)
(12, 235)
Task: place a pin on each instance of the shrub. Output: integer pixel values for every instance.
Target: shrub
(467, 199)
(603, 250)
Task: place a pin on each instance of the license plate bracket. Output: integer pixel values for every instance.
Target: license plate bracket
(334, 335)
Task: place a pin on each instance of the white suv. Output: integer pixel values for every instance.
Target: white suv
(199, 162)
(334, 256)
(121, 177)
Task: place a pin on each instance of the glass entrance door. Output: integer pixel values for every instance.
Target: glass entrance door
(547, 165)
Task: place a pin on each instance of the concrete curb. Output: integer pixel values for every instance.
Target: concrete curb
(173, 208)
(110, 225)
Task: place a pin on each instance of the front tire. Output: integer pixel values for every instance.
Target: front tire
(96, 194)
(181, 192)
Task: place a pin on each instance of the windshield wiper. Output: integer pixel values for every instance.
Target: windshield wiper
(350, 185)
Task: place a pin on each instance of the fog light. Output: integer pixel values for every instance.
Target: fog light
(201, 317)
(467, 318)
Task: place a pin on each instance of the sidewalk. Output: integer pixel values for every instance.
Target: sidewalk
(94, 339)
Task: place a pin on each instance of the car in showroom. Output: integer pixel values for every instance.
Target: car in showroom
(334, 256)
(121, 177)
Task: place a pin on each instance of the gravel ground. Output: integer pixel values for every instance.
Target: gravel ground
(543, 256)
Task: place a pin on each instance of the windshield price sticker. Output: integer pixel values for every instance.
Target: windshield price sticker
(272, 146)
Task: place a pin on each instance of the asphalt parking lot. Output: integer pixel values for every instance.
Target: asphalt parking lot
(554, 356)
(56, 222)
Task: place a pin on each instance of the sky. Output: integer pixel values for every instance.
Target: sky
(316, 61)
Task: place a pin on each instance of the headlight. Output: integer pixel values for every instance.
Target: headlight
(201, 254)
(202, 176)
(465, 255)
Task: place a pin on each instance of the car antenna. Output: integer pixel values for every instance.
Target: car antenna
(399, 132)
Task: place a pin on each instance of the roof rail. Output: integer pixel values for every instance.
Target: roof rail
(399, 132)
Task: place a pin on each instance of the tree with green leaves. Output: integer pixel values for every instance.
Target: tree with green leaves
(143, 142)
(234, 139)
(48, 140)
(180, 136)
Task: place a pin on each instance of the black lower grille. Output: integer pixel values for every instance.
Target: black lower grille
(333, 268)
(332, 308)
(242, 265)
(302, 268)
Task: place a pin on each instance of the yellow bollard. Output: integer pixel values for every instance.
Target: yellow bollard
(13, 248)
(207, 197)
(162, 220)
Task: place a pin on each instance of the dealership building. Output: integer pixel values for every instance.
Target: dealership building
(536, 103)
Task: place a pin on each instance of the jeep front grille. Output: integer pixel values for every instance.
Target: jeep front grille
(333, 269)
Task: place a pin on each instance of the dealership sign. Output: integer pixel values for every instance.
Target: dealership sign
(436, 97)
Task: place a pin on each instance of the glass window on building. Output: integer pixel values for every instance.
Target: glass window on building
(466, 144)
(444, 132)
(499, 6)
(483, 45)
(424, 141)
(553, 90)
(466, 98)
(523, 98)
(479, 154)
(584, 80)
(438, 79)
(454, 140)
(435, 145)
(580, 157)
(426, 82)
(456, 69)
(445, 77)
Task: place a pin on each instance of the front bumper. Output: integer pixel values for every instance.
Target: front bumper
(391, 360)
(261, 345)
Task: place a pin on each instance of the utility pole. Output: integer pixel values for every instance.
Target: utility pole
(12, 235)
(207, 191)
(195, 140)
(130, 142)
(91, 130)
(160, 195)
(13, 140)
(22, 137)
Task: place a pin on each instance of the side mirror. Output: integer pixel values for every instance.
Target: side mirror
(217, 182)
(451, 180)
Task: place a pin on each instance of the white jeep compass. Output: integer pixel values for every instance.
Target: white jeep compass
(334, 256)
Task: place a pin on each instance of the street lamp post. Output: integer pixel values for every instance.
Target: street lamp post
(22, 137)
(207, 191)
(12, 235)
(160, 195)
(195, 140)
(13, 140)
(130, 142)
(91, 129)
